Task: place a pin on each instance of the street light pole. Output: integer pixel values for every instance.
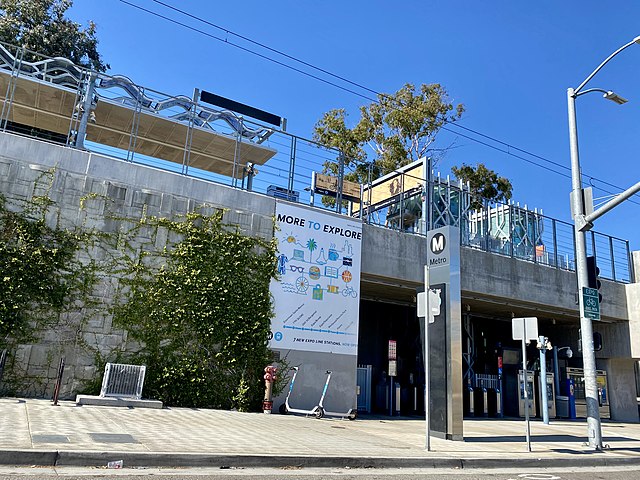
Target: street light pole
(588, 353)
(578, 213)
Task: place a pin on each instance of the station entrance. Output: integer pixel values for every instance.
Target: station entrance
(493, 383)
(381, 322)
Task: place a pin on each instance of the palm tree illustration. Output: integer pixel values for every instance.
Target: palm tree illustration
(311, 245)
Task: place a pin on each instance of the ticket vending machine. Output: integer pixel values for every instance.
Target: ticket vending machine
(530, 394)
(577, 375)
(550, 391)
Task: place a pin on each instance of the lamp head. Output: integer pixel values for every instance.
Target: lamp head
(637, 39)
(614, 97)
(569, 352)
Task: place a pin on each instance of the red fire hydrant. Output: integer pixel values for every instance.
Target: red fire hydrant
(269, 378)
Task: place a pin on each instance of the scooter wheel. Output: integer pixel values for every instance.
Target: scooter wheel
(353, 415)
(283, 409)
(320, 412)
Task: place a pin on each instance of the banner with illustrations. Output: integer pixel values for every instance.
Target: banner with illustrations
(317, 295)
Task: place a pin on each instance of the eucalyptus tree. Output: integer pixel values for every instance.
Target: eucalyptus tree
(392, 131)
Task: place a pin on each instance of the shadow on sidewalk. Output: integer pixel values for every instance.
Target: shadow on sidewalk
(540, 438)
(583, 452)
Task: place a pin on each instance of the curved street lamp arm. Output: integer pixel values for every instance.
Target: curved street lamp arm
(635, 40)
(589, 90)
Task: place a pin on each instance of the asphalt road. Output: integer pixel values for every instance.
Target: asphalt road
(73, 473)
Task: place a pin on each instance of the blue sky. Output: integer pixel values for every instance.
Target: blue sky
(509, 62)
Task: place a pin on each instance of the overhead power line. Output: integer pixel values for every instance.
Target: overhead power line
(557, 164)
(257, 54)
(506, 151)
(360, 86)
(267, 47)
(566, 175)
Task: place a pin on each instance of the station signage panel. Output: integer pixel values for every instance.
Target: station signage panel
(317, 293)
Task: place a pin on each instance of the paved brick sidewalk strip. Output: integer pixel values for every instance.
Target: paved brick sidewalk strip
(33, 432)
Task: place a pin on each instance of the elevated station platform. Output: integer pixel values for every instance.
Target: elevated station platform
(50, 107)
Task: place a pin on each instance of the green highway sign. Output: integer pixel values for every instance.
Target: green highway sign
(591, 303)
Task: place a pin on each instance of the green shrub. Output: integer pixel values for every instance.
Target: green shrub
(200, 312)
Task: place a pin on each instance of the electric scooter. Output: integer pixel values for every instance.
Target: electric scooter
(286, 408)
(351, 414)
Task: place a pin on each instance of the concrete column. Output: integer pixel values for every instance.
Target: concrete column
(632, 291)
(621, 388)
(635, 258)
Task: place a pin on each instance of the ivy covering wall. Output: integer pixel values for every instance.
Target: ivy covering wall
(200, 312)
(45, 285)
(37, 273)
(194, 301)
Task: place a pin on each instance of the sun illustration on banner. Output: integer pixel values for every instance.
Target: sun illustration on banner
(290, 238)
(346, 276)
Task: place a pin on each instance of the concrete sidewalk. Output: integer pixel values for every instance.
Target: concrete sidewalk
(33, 432)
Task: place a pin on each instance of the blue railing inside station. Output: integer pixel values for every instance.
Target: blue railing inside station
(502, 229)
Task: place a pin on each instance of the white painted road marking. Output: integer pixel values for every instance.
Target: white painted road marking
(537, 476)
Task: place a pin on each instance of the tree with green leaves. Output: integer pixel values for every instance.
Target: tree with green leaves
(398, 129)
(485, 184)
(41, 26)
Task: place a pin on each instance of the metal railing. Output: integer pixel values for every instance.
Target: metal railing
(502, 229)
(487, 381)
(402, 200)
(287, 174)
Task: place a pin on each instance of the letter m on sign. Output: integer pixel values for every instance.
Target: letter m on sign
(437, 243)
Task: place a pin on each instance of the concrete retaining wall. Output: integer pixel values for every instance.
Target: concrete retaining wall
(121, 189)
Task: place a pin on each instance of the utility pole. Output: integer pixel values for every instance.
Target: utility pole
(583, 222)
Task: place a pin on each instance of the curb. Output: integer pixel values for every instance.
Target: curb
(40, 458)
(194, 460)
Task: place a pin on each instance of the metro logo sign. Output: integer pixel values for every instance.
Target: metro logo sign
(438, 242)
(438, 254)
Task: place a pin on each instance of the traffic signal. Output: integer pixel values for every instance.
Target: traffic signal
(597, 341)
(592, 275)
